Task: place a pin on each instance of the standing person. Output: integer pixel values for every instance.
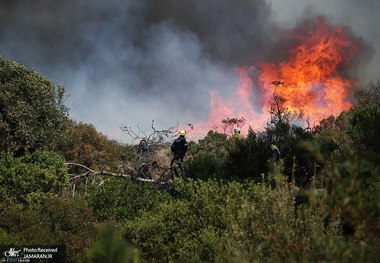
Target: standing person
(236, 135)
(144, 150)
(179, 147)
(275, 153)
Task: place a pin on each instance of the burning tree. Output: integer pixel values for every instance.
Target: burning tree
(314, 70)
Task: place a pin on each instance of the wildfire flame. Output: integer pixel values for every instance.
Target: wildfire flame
(312, 79)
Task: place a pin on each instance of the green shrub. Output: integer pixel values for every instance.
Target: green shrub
(31, 109)
(365, 129)
(20, 177)
(120, 199)
(248, 158)
(188, 229)
(52, 221)
(353, 196)
(205, 166)
(243, 222)
(111, 248)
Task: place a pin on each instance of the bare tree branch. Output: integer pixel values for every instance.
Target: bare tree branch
(91, 172)
(155, 137)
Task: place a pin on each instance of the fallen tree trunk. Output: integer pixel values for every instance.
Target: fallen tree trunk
(96, 176)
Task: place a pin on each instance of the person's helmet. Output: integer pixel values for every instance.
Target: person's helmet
(182, 132)
(237, 130)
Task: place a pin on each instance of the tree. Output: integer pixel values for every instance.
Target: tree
(247, 158)
(230, 123)
(365, 128)
(369, 95)
(82, 143)
(31, 109)
(153, 138)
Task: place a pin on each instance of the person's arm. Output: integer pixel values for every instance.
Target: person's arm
(185, 146)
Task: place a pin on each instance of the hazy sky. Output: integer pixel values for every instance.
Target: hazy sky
(131, 61)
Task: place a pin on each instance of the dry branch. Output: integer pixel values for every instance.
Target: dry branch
(154, 138)
(93, 173)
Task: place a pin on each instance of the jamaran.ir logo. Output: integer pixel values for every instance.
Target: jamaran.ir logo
(12, 252)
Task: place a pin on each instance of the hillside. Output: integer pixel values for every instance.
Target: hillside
(317, 203)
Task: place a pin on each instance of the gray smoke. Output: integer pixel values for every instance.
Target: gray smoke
(131, 61)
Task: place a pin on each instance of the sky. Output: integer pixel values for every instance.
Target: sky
(128, 62)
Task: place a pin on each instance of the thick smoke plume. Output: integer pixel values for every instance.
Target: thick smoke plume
(128, 62)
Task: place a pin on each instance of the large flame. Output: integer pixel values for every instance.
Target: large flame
(312, 77)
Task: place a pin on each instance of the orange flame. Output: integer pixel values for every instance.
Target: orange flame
(312, 80)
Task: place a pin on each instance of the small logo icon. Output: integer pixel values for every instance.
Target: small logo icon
(12, 253)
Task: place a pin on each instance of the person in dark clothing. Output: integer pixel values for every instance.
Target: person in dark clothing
(144, 148)
(275, 153)
(179, 147)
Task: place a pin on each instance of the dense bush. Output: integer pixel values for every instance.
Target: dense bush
(353, 196)
(248, 157)
(50, 221)
(82, 143)
(206, 159)
(205, 166)
(188, 229)
(120, 199)
(110, 247)
(235, 222)
(24, 177)
(31, 109)
(365, 129)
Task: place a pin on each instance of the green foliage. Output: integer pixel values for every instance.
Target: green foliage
(213, 143)
(248, 158)
(183, 230)
(207, 157)
(31, 109)
(205, 166)
(52, 221)
(24, 177)
(120, 199)
(365, 128)
(354, 195)
(5, 238)
(111, 248)
(242, 222)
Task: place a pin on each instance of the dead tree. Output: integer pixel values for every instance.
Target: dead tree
(82, 176)
(279, 114)
(155, 137)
